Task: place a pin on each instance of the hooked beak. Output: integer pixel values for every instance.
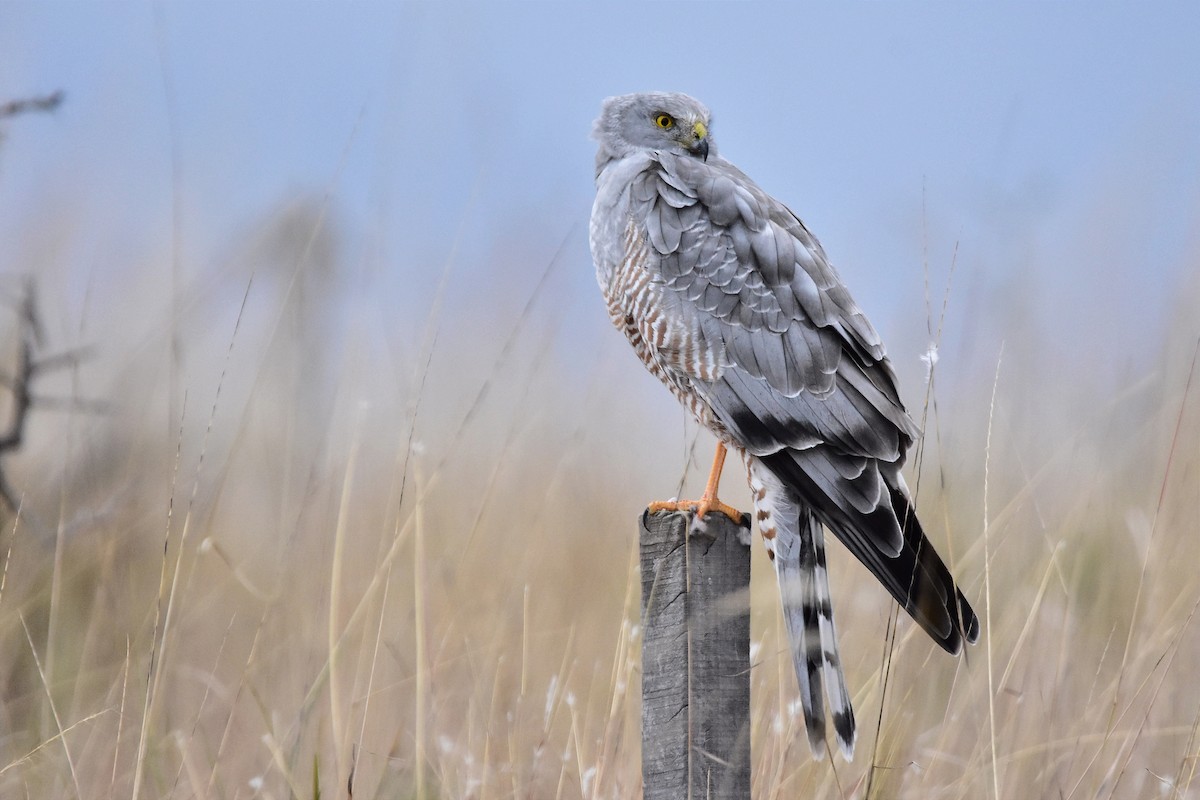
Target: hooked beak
(700, 144)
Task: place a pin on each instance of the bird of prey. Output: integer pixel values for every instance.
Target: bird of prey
(729, 300)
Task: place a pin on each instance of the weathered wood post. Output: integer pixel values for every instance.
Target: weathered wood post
(695, 658)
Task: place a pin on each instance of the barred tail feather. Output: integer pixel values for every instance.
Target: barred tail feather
(835, 679)
(803, 629)
(808, 613)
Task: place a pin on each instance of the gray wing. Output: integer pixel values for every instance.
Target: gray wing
(805, 384)
(759, 287)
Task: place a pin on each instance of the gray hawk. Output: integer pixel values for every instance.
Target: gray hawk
(729, 300)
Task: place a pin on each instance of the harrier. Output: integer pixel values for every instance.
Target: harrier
(730, 301)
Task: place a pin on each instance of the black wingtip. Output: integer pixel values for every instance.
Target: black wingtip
(970, 621)
(964, 625)
(936, 600)
(914, 574)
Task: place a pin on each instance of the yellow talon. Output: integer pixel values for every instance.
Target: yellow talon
(708, 501)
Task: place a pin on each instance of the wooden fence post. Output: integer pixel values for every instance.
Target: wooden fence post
(695, 658)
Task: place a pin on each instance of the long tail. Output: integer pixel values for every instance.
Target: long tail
(795, 541)
(808, 614)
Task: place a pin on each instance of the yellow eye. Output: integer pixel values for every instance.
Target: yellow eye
(664, 121)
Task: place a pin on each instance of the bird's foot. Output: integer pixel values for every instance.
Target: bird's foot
(702, 508)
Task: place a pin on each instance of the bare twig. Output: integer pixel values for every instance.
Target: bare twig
(49, 102)
(22, 399)
(19, 381)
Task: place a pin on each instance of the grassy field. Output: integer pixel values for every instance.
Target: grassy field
(406, 564)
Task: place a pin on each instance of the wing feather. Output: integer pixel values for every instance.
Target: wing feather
(804, 382)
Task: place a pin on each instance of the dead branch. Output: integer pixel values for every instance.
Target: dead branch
(45, 103)
(19, 383)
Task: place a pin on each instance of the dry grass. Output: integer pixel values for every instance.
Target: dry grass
(405, 562)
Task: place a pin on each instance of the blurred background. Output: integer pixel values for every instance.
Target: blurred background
(330, 476)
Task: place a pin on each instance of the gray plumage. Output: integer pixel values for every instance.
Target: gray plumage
(732, 303)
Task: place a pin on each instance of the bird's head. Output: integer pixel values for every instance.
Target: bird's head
(663, 121)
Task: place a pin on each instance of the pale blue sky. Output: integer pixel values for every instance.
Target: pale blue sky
(1057, 144)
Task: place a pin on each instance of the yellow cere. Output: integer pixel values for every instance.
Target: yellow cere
(700, 130)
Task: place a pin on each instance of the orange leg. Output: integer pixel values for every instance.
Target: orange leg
(708, 501)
